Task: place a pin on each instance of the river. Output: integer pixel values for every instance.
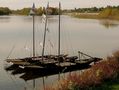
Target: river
(97, 38)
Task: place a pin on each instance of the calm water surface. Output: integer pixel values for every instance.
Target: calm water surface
(95, 37)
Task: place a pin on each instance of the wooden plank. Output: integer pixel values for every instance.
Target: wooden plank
(17, 61)
(33, 66)
(65, 64)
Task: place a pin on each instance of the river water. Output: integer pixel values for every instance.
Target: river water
(97, 38)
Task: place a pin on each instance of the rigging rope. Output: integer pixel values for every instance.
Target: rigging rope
(70, 43)
(11, 51)
(67, 34)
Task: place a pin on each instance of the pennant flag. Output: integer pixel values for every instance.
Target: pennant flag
(47, 7)
(32, 11)
(33, 7)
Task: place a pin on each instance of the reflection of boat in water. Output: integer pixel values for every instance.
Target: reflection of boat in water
(31, 73)
(50, 62)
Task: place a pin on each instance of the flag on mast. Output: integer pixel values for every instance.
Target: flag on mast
(43, 18)
(32, 11)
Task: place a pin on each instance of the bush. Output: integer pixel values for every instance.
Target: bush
(101, 72)
(109, 13)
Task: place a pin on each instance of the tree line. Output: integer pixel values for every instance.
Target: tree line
(109, 12)
(25, 11)
(5, 11)
(89, 10)
(54, 10)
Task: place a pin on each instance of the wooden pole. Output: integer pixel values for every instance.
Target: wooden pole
(85, 54)
(44, 38)
(59, 35)
(33, 35)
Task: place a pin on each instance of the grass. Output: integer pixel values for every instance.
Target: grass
(85, 15)
(108, 85)
(92, 16)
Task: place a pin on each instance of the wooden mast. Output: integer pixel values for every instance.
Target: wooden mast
(32, 12)
(33, 35)
(45, 31)
(59, 34)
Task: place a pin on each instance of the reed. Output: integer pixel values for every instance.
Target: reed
(99, 76)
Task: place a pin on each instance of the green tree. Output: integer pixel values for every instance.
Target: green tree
(5, 11)
(25, 11)
(53, 11)
(39, 11)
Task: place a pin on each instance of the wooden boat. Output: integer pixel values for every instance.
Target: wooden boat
(51, 61)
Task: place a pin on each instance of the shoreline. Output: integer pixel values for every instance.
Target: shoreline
(90, 16)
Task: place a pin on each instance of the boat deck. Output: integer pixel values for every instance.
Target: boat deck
(54, 61)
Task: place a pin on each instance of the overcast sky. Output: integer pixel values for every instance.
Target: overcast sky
(66, 4)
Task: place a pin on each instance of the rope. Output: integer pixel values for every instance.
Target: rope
(11, 51)
(69, 39)
(53, 37)
(40, 36)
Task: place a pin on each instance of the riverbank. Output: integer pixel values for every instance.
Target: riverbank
(107, 13)
(84, 15)
(101, 76)
(91, 16)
